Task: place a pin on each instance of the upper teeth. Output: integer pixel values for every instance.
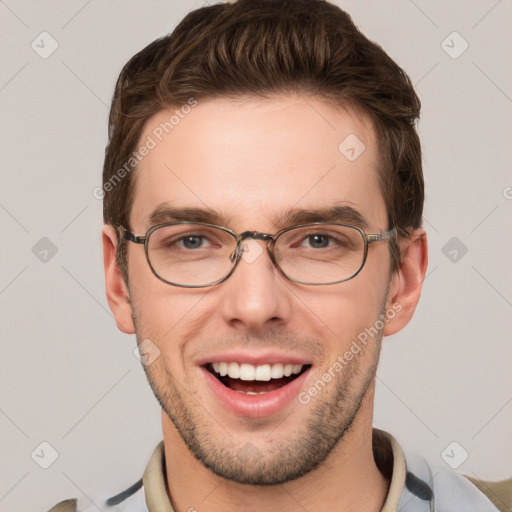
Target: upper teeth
(263, 372)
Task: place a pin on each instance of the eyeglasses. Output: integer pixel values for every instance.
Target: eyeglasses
(195, 255)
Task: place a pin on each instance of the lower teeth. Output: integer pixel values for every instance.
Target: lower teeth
(253, 392)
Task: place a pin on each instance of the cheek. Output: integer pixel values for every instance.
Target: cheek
(164, 314)
(156, 304)
(343, 311)
(157, 327)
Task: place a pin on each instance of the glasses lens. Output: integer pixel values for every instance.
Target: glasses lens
(320, 254)
(191, 254)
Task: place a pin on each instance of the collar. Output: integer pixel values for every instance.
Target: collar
(387, 451)
(388, 454)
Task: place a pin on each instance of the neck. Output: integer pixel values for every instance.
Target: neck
(347, 480)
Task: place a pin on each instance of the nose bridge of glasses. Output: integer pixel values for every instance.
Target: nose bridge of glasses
(257, 235)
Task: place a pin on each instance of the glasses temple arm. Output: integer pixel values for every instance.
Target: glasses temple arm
(377, 237)
(124, 234)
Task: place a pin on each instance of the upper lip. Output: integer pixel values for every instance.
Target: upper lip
(260, 358)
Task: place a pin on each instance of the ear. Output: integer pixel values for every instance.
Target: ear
(407, 281)
(118, 294)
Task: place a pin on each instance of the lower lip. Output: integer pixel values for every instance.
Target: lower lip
(254, 406)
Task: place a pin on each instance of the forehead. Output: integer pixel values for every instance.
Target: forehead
(253, 160)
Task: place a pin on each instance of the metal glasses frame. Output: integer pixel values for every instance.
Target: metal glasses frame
(368, 238)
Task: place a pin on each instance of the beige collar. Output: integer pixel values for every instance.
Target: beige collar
(398, 473)
(155, 486)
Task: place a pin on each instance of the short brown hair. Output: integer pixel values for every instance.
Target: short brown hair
(260, 48)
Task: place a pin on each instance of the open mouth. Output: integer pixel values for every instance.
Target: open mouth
(255, 380)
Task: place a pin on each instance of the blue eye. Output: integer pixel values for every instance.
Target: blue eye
(191, 241)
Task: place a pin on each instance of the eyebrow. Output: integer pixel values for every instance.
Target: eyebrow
(337, 213)
(166, 213)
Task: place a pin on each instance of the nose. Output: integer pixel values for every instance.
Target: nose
(255, 296)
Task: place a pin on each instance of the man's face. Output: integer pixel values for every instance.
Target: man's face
(252, 163)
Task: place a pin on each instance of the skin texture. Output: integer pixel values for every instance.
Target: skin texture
(252, 160)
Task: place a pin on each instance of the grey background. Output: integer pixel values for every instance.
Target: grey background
(70, 379)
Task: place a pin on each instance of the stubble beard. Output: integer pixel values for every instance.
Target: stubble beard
(331, 416)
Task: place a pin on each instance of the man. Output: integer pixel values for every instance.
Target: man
(263, 209)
